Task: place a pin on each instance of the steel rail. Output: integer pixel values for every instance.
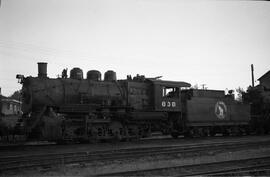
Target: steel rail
(238, 167)
(232, 167)
(144, 140)
(154, 147)
(246, 171)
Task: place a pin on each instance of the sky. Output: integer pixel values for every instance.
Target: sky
(210, 42)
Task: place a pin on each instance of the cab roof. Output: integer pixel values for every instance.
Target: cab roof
(170, 83)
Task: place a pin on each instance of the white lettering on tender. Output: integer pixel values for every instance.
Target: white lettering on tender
(168, 104)
(163, 104)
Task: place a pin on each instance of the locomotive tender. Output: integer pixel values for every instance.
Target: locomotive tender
(93, 109)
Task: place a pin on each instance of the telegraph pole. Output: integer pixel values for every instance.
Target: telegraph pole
(203, 86)
(252, 74)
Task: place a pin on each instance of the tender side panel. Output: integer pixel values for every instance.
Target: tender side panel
(203, 110)
(240, 113)
(216, 111)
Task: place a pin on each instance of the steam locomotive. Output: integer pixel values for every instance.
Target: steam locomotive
(91, 109)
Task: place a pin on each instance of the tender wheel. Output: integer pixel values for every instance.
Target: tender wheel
(175, 135)
(212, 133)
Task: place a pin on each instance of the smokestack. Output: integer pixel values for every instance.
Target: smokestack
(252, 75)
(42, 69)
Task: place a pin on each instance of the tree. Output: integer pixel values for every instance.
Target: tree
(240, 91)
(195, 87)
(16, 95)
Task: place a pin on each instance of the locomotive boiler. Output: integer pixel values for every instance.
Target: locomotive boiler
(89, 109)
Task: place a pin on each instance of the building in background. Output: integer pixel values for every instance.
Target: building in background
(9, 106)
(265, 80)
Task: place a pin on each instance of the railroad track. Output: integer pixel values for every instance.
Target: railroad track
(18, 145)
(226, 168)
(45, 160)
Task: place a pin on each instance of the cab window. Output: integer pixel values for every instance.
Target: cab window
(170, 92)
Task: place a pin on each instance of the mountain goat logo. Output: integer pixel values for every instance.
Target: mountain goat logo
(220, 110)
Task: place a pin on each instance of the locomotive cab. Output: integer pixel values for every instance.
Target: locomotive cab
(167, 95)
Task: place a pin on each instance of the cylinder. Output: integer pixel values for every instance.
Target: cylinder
(94, 75)
(110, 75)
(42, 69)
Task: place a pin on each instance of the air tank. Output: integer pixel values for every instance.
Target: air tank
(76, 73)
(110, 76)
(94, 75)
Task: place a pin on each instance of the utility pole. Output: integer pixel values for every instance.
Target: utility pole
(252, 74)
(203, 86)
